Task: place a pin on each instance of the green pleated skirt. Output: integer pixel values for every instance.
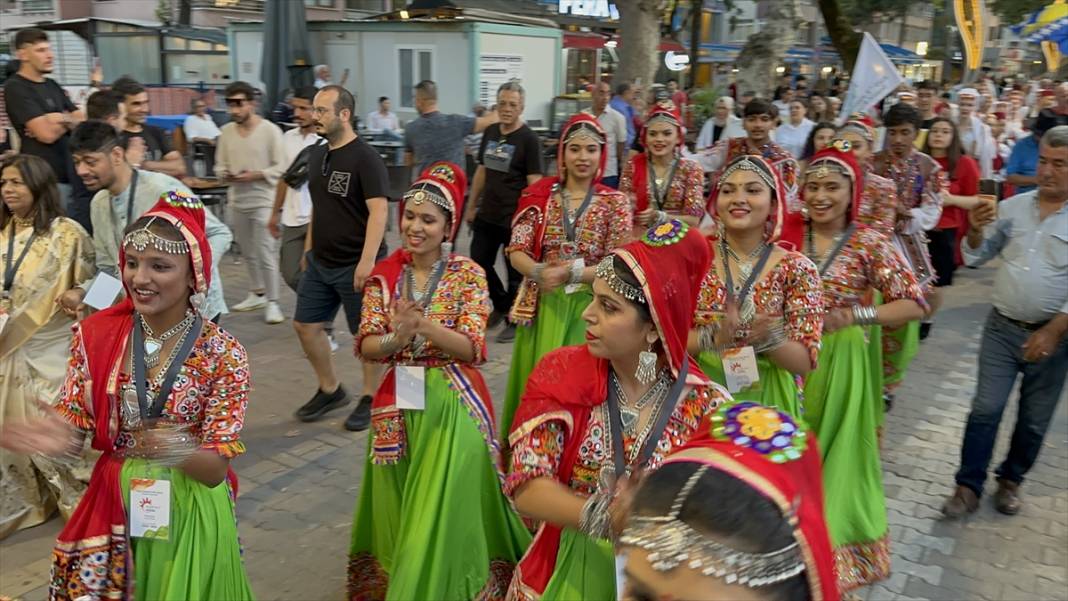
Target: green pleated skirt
(585, 569)
(558, 323)
(201, 557)
(777, 387)
(435, 524)
(844, 410)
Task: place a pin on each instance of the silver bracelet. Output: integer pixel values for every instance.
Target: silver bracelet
(535, 274)
(776, 337)
(865, 315)
(661, 218)
(706, 337)
(577, 267)
(595, 521)
(387, 341)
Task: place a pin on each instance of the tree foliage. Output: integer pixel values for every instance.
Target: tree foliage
(1014, 11)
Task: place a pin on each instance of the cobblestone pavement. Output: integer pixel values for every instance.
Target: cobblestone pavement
(299, 482)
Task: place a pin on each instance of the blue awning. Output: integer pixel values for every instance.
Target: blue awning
(898, 54)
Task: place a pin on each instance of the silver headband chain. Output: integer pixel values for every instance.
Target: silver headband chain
(745, 164)
(606, 271)
(672, 542)
(143, 237)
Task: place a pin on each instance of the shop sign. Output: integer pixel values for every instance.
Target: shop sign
(676, 62)
(589, 8)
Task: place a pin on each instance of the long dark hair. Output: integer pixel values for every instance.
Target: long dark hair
(810, 143)
(38, 176)
(725, 509)
(953, 152)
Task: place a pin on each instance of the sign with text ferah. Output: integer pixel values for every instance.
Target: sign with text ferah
(495, 70)
(873, 77)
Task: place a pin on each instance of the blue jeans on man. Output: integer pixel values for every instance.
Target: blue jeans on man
(1000, 361)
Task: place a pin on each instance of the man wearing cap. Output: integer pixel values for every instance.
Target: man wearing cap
(975, 137)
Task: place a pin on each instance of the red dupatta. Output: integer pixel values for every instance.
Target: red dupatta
(664, 110)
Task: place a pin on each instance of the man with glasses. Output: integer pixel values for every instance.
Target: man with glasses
(349, 186)
(251, 157)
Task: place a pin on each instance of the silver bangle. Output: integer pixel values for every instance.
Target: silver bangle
(595, 521)
(577, 267)
(776, 337)
(387, 341)
(661, 218)
(865, 315)
(706, 337)
(535, 274)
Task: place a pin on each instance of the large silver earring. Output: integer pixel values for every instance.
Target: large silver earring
(646, 371)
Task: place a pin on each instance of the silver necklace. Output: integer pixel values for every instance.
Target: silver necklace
(629, 413)
(745, 269)
(153, 344)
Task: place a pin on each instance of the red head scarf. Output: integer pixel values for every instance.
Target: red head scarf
(669, 262)
(839, 157)
(770, 176)
(579, 124)
(779, 458)
(444, 184)
(862, 125)
(663, 110)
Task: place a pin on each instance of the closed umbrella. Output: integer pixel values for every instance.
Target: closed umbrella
(287, 61)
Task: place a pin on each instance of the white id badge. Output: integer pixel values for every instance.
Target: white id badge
(102, 292)
(410, 387)
(150, 508)
(621, 578)
(740, 368)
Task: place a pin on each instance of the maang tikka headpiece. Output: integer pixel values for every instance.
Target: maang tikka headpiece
(143, 237)
(606, 271)
(746, 164)
(672, 542)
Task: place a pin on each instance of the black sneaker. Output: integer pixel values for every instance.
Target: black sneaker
(507, 334)
(495, 319)
(888, 402)
(360, 418)
(322, 403)
(925, 329)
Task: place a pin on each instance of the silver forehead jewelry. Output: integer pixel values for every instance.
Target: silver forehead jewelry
(426, 193)
(747, 164)
(607, 272)
(822, 168)
(672, 542)
(143, 237)
(584, 130)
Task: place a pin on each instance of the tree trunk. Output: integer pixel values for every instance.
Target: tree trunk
(185, 12)
(846, 40)
(765, 49)
(639, 37)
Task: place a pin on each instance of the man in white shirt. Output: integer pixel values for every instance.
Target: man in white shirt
(383, 119)
(615, 126)
(199, 127)
(250, 158)
(975, 138)
(292, 206)
(323, 77)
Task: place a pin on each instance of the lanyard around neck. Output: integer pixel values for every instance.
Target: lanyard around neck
(130, 198)
(11, 269)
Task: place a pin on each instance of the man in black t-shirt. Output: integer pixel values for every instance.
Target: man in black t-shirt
(508, 161)
(159, 155)
(41, 112)
(349, 185)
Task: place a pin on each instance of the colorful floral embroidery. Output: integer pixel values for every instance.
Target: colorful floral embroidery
(666, 234)
(178, 198)
(94, 568)
(868, 260)
(861, 564)
(367, 580)
(763, 429)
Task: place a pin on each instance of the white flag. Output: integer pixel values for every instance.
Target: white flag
(874, 76)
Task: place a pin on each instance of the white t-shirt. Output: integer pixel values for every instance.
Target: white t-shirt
(296, 209)
(377, 121)
(793, 137)
(200, 127)
(615, 126)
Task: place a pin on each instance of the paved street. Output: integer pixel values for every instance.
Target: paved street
(299, 481)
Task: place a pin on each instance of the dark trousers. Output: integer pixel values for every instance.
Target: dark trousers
(486, 240)
(1000, 361)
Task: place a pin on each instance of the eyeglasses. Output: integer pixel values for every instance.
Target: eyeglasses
(236, 101)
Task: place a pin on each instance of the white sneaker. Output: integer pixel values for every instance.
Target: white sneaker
(252, 302)
(273, 314)
(333, 343)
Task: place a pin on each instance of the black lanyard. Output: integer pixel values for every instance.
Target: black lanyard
(131, 197)
(655, 192)
(837, 247)
(653, 439)
(569, 225)
(11, 269)
(748, 285)
(156, 409)
(431, 285)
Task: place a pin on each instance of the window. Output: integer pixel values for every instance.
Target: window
(319, 3)
(415, 65)
(368, 5)
(30, 7)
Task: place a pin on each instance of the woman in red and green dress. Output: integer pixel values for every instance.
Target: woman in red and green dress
(596, 414)
(842, 395)
(757, 299)
(431, 522)
(563, 226)
(162, 393)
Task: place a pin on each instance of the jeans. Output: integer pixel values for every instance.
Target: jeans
(258, 248)
(486, 239)
(1000, 360)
